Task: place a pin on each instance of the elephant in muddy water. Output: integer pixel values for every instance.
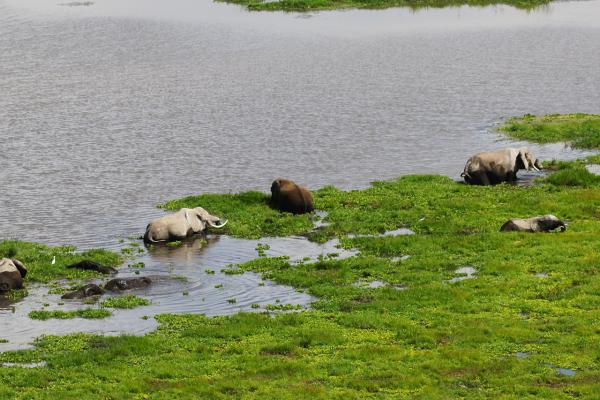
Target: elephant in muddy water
(84, 292)
(12, 273)
(184, 223)
(492, 167)
(287, 196)
(542, 223)
(119, 284)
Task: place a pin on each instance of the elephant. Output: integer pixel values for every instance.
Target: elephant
(89, 265)
(84, 292)
(287, 196)
(182, 224)
(492, 167)
(542, 223)
(115, 285)
(12, 273)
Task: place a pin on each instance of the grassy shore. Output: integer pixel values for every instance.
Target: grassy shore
(316, 5)
(427, 204)
(524, 326)
(38, 260)
(579, 130)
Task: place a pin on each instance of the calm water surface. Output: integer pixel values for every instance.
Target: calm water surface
(111, 107)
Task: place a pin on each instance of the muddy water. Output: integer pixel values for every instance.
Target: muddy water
(108, 107)
(186, 279)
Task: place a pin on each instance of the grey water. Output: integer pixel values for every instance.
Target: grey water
(112, 106)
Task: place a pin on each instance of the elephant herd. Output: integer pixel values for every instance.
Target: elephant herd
(486, 168)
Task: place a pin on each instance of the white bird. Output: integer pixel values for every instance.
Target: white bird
(53, 260)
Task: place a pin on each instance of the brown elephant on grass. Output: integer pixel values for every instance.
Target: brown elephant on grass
(12, 273)
(287, 196)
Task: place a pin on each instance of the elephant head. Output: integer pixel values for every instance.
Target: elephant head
(198, 218)
(12, 273)
(526, 160)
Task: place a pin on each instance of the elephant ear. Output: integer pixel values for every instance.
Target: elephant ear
(194, 221)
(523, 157)
(19, 265)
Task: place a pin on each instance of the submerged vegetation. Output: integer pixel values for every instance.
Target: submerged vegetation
(525, 325)
(315, 5)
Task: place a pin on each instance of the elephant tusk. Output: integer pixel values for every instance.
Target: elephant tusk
(535, 168)
(217, 226)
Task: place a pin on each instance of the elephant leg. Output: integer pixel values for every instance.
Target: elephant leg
(487, 179)
(480, 178)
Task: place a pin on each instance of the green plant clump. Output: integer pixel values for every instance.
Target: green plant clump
(86, 313)
(127, 302)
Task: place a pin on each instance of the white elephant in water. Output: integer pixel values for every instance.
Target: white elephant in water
(180, 225)
(12, 273)
(492, 167)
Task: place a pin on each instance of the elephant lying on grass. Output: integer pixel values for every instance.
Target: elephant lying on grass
(12, 273)
(492, 167)
(180, 225)
(542, 223)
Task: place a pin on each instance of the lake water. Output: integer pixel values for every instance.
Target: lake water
(109, 107)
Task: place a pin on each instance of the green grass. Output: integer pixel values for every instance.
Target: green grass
(315, 5)
(38, 260)
(433, 340)
(87, 313)
(424, 203)
(128, 301)
(580, 130)
(248, 213)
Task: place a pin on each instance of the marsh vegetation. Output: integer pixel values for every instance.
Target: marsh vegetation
(315, 5)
